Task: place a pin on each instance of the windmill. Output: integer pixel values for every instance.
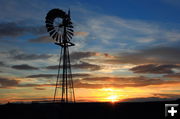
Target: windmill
(60, 28)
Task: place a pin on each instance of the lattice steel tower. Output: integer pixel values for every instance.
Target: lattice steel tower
(60, 28)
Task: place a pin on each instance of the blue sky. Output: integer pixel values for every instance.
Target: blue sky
(115, 40)
(161, 16)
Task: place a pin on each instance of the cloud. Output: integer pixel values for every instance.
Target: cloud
(55, 75)
(154, 55)
(53, 67)
(92, 82)
(23, 56)
(40, 88)
(7, 82)
(12, 29)
(42, 39)
(81, 65)
(167, 95)
(173, 76)
(42, 76)
(75, 56)
(113, 30)
(154, 68)
(80, 55)
(87, 66)
(24, 67)
(20, 55)
(2, 64)
(148, 99)
(48, 39)
(120, 82)
(83, 34)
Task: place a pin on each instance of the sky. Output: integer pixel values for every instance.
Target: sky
(125, 50)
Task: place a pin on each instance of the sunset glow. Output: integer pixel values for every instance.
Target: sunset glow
(112, 98)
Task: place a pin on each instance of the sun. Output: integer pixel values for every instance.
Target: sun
(112, 98)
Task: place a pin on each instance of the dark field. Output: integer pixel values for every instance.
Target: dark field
(145, 110)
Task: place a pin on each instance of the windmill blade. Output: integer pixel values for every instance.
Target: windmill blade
(70, 33)
(50, 29)
(70, 23)
(70, 26)
(70, 30)
(61, 38)
(68, 38)
(51, 33)
(49, 21)
(56, 30)
(57, 38)
(54, 35)
(49, 25)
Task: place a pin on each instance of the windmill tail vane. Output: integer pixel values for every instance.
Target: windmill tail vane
(60, 28)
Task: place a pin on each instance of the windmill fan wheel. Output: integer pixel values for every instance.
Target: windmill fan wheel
(59, 25)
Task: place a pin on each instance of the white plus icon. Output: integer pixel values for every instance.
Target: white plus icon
(172, 111)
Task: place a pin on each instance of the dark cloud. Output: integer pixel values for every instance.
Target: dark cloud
(42, 76)
(55, 75)
(120, 82)
(23, 56)
(167, 95)
(42, 39)
(155, 68)
(80, 55)
(53, 67)
(40, 88)
(126, 81)
(80, 75)
(24, 67)
(2, 64)
(155, 55)
(85, 65)
(173, 76)
(94, 82)
(101, 82)
(19, 55)
(12, 29)
(148, 99)
(7, 82)
(81, 65)
(35, 85)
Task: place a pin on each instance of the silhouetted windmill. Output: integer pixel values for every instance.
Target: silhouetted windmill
(60, 28)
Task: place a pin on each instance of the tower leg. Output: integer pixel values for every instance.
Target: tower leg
(64, 78)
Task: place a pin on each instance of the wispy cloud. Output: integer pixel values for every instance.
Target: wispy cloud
(18, 55)
(82, 65)
(173, 76)
(41, 39)
(155, 69)
(83, 34)
(12, 29)
(7, 82)
(159, 55)
(24, 67)
(121, 82)
(112, 29)
(55, 75)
